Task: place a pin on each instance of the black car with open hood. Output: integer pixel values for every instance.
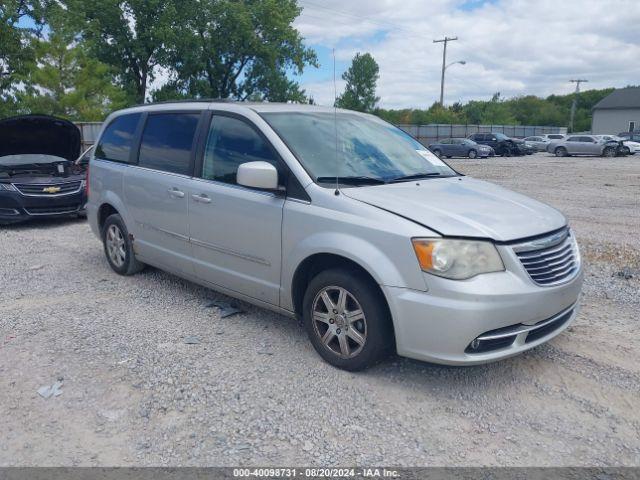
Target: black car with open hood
(37, 173)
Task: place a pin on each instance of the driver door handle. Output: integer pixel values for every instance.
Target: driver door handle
(202, 198)
(174, 192)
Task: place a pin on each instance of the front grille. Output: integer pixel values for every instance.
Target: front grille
(546, 327)
(48, 189)
(60, 210)
(550, 260)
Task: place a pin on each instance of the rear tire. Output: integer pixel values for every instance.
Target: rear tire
(561, 152)
(118, 247)
(347, 319)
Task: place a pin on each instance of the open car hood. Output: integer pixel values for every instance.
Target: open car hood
(39, 135)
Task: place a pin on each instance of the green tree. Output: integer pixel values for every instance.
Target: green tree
(17, 54)
(129, 35)
(361, 78)
(236, 49)
(67, 82)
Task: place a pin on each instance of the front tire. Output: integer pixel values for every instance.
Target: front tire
(472, 154)
(505, 152)
(118, 247)
(437, 153)
(347, 319)
(609, 152)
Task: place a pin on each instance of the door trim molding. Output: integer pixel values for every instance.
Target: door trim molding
(210, 246)
(179, 236)
(226, 251)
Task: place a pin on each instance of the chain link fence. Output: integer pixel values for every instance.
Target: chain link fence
(427, 134)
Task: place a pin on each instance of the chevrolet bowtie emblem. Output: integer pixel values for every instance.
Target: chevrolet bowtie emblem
(51, 189)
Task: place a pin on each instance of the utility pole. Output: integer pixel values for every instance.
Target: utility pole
(444, 40)
(575, 101)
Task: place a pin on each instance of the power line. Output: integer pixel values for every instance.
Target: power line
(308, 4)
(407, 34)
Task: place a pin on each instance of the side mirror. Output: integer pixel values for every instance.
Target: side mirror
(258, 175)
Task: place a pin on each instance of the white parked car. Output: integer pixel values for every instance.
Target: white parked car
(631, 147)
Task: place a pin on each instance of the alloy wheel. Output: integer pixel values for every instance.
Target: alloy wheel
(116, 247)
(339, 321)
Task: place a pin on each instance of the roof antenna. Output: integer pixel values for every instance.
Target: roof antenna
(335, 123)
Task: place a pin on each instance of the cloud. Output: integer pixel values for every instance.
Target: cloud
(516, 47)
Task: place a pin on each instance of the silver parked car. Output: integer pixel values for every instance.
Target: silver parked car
(539, 143)
(338, 218)
(553, 136)
(584, 145)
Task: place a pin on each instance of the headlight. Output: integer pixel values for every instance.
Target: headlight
(457, 259)
(7, 186)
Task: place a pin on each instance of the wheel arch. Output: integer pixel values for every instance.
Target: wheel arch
(104, 211)
(107, 204)
(318, 262)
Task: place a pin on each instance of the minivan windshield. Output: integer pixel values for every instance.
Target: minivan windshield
(369, 151)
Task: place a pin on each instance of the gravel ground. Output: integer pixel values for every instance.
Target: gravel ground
(252, 391)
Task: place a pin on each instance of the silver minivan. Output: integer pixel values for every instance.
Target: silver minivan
(337, 218)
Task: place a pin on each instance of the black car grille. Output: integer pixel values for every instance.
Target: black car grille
(49, 210)
(553, 264)
(48, 189)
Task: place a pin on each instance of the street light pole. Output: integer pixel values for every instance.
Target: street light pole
(575, 101)
(445, 41)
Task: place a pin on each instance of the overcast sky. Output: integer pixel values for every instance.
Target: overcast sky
(516, 47)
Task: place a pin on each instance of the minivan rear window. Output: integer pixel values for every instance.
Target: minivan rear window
(117, 139)
(167, 141)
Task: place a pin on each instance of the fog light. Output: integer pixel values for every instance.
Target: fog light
(475, 344)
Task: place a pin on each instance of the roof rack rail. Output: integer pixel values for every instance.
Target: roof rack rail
(190, 100)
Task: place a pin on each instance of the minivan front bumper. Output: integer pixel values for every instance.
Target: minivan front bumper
(506, 313)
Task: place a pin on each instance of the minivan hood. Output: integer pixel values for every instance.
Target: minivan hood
(463, 207)
(39, 134)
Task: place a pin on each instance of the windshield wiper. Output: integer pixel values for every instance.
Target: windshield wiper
(416, 176)
(355, 180)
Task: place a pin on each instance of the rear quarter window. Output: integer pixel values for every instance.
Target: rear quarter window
(116, 141)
